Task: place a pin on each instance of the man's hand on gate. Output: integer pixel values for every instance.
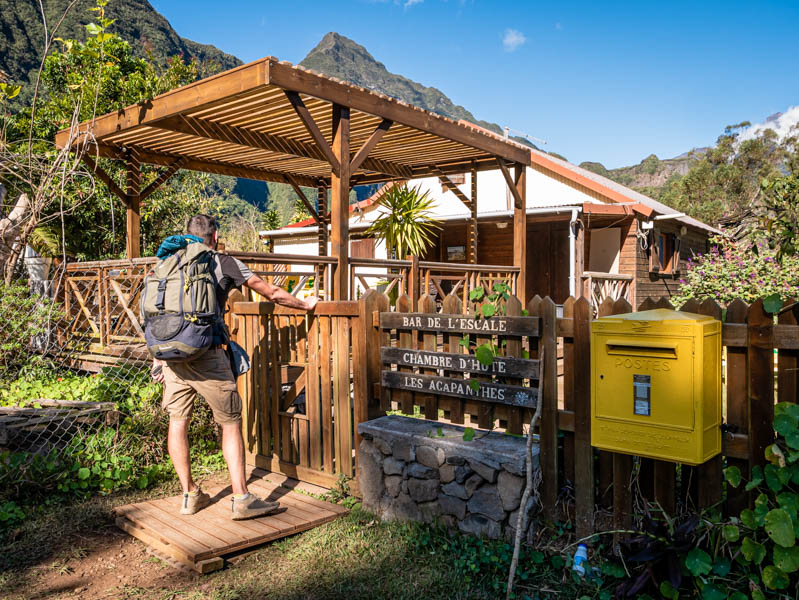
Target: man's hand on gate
(157, 371)
(311, 302)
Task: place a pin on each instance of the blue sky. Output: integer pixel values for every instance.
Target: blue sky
(604, 81)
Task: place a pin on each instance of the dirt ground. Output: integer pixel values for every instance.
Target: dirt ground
(102, 562)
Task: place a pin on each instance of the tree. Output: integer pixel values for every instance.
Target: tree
(406, 224)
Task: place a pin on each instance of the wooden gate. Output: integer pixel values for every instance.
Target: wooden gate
(302, 397)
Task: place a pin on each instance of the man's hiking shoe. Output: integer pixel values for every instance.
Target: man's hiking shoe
(251, 507)
(194, 502)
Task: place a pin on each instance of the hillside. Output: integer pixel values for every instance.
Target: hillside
(338, 56)
(22, 34)
(650, 174)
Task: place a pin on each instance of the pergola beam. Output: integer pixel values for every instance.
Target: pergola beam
(297, 190)
(103, 176)
(165, 176)
(512, 184)
(370, 144)
(450, 185)
(307, 119)
(471, 229)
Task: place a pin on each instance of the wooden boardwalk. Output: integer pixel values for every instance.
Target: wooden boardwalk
(200, 541)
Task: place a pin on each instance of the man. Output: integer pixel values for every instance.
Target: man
(210, 376)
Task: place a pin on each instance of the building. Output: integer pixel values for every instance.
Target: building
(586, 234)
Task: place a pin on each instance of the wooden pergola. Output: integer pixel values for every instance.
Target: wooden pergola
(273, 121)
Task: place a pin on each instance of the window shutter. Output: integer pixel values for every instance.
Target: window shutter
(675, 261)
(654, 252)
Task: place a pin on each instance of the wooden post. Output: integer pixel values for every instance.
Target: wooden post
(471, 228)
(737, 406)
(413, 282)
(340, 202)
(583, 451)
(760, 353)
(579, 259)
(133, 242)
(549, 410)
(520, 232)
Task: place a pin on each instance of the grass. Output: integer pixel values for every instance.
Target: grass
(354, 557)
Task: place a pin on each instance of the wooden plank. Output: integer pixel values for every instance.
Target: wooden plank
(429, 343)
(527, 326)
(370, 144)
(710, 476)
(84, 309)
(452, 305)
(788, 360)
(162, 178)
(312, 396)
(502, 366)
(737, 406)
(325, 357)
(154, 540)
(360, 391)
(548, 430)
(103, 176)
(569, 373)
(303, 198)
(489, 392)
(622, 464)
(169, 532)
(760, 355)
(341, 387)
(665, 486)
(307, 120)
(373, 337)
(583, 451)
(513, 352)
(520, 231)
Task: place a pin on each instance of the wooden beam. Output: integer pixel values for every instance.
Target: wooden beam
(370, 144)
(340, 202)
(289, 77)
(162, 178)
(450, 185)
(520, 231)
(512, 185)
(105, 178)
(305, 116)
(303, 198)
(205, 166)
(321, 202)
(133, 230)
(471, 229)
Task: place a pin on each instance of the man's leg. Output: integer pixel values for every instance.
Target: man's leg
(233, 450)
(178, 446)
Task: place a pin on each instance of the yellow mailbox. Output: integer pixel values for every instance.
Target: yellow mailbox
(656, 385)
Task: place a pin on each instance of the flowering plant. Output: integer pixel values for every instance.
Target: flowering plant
(746, 270)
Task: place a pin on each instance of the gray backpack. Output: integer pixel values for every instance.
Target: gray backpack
(181, 316)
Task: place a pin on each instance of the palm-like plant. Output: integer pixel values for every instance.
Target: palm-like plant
(406, 223)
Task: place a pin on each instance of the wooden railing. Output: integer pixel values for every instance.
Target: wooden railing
(601, 286)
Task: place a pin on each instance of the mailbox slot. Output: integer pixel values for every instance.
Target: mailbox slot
(645, 348)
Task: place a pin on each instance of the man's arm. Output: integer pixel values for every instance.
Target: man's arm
(279, 295)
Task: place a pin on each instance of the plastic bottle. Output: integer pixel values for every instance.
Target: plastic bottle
(580, 559)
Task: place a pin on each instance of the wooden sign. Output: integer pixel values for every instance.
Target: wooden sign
(499, 393)
(466, 363)
(460, 323)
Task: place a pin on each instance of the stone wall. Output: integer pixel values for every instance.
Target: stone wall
(417, 470)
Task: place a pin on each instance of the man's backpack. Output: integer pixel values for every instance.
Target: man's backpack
(181, 316)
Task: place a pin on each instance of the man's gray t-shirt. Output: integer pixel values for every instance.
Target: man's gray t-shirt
(230, 273)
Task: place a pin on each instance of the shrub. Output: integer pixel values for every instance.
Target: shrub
(24, 316)
(738, 270)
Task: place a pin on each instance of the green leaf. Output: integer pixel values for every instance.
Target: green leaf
(142, 482)
(713, 592)
(738, 596)
(779, 527)
(748, 518)
(474, 385)
(733, 476)
(464, 341)
(772, 478)
(525, 312)
(774, 578)
(792, 439)
(468, 434)
(440, 432)
(722, 566)
(667, 590)
(477, 294)
(784, 424)
(488, 310)
(84, 473)
(772, 304)
(753, 551)
(731, 533)
(787, 559)
(698, 562)
(93, 29)
(484, 354)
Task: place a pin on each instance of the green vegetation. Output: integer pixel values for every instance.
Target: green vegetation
(24, 317)
(406, 224)
(747, 270)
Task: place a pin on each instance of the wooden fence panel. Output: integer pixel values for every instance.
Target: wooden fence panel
(583, 451)
(737, 404)
(760, 353)
(569, 374)
(788, 360)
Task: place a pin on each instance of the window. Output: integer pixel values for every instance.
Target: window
(664, 254)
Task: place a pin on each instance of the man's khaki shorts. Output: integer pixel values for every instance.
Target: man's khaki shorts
(209, 376)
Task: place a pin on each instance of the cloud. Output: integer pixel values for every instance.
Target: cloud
(783, 124)
(512, 40)
(409, 3)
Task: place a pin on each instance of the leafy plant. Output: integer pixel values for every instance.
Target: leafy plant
(771, 528)
(406, 224)
(25, 316)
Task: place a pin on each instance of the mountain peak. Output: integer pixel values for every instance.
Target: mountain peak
(338, 56)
